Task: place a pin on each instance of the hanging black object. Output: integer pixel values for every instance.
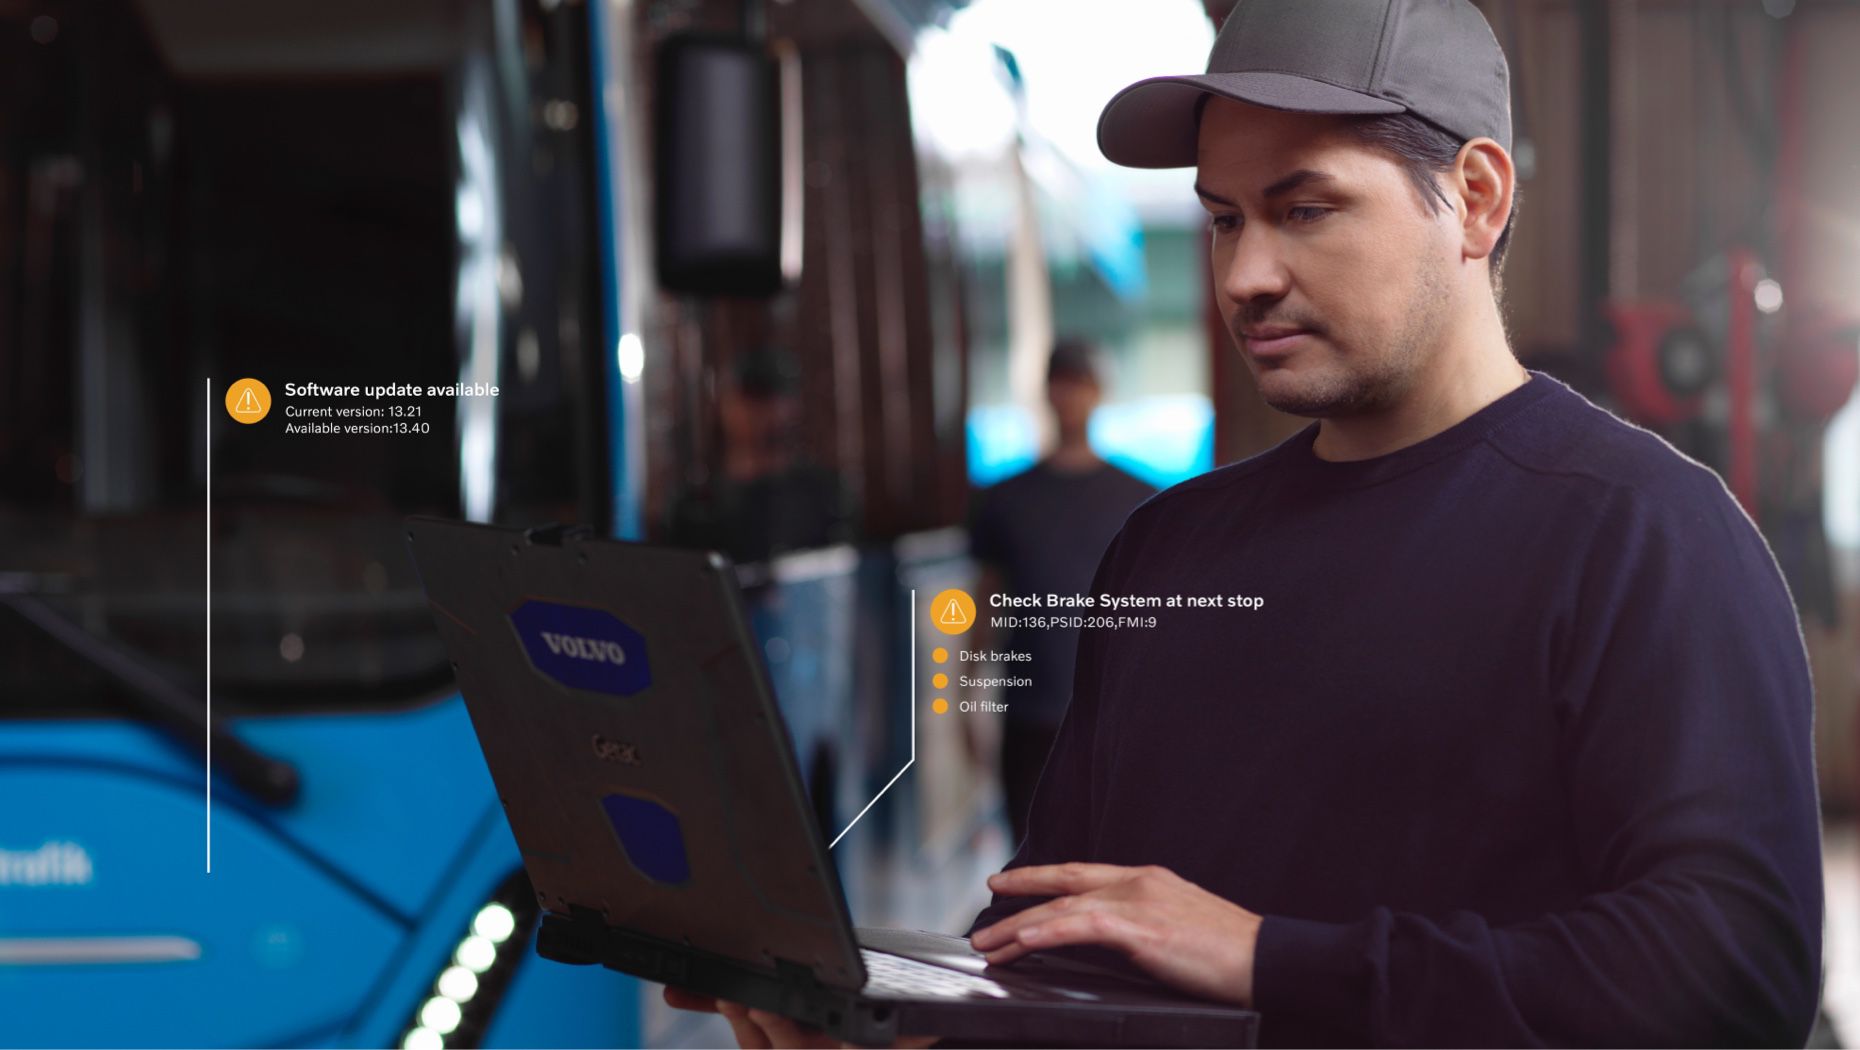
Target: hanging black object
(718, 172)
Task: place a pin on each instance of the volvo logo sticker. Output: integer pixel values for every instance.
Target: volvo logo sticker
(583, 648)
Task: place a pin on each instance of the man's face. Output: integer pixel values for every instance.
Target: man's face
(756, 420)
(1334, 276)
(1073, 398)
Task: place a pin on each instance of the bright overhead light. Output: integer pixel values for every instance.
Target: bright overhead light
(1769, 295)
(423, 1038)
(632, 357)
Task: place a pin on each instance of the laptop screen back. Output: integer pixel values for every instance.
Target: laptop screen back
(628, 724)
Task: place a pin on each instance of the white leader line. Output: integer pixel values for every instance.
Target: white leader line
(209, 439)
(913, 759)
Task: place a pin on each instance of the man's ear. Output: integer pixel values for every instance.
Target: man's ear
(1484, 177)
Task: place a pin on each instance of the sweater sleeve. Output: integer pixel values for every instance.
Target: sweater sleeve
(1686, 715)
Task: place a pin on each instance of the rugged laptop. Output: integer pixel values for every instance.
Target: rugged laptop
(628, 723)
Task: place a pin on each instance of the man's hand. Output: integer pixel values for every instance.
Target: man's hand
(762, 1030)
(1180, 933)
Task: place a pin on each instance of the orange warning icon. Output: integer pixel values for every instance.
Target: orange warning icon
(952, 611)
(248, 401)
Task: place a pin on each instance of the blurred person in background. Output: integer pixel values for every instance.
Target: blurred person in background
(765, 497)
(1042, 531)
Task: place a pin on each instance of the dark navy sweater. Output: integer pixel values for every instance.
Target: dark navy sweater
(1515, 750)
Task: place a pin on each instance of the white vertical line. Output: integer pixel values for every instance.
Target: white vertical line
(208, 434)
(913, 674)
(913, 758)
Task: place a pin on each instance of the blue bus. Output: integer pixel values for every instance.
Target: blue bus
(423, 192)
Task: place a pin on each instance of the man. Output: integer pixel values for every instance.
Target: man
(1042, 531)
(765, 498)
(1515, 747)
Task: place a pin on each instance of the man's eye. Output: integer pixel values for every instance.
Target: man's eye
(1223, 223)
(1306, 213)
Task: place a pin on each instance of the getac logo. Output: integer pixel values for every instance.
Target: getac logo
(600, 650)
(627, 754)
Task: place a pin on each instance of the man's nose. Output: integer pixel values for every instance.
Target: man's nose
(1253, 267)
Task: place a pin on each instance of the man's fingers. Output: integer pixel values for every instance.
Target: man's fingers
(785, 1032)
(761, 1030)
(749, 1035)
(1003, 932)
(1077, 877)
(754, 1029)
(1100, 926)
(682, 999)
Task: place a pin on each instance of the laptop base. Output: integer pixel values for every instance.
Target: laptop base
(791, 990)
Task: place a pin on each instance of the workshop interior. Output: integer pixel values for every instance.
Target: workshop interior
(665, 229)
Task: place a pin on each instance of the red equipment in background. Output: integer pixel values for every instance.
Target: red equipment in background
(1747, 387)
(1710, 374)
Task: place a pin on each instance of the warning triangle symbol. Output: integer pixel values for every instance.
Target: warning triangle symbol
(248, 403)
(953, 615)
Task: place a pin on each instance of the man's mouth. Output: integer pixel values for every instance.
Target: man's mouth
(1272, 341)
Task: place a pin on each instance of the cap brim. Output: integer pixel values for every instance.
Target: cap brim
(1151, 124)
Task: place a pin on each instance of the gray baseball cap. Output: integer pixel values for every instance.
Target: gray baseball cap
(1436, 59)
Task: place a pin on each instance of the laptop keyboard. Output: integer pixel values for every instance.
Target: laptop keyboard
(900, 976)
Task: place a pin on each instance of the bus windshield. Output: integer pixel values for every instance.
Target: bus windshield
(163, 235)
